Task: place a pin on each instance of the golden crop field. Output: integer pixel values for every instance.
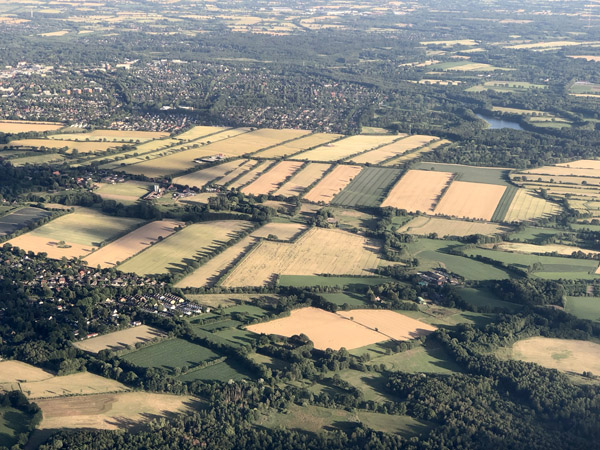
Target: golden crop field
(39, 244)
(567, 355)
(299, 182)
(81, 383)
(199, 131)
(283, 231)
(527, 205)
(110, 411)
(295, 146)
(333, 183)
(23, 126)
(564, 171)
(424, 226)
(119, 340)
(131, 244)
(204, 176)
(394, 149)
(178, 249)
(350, 329)
(561, 180)
(409, 156)
(243, 168)
(586, 57)
(112, 136)
(81, 147)
(346, 147)
(418, 190)
(251, 175)
(470, 200)
(271, 180)
(14, 372)
(582, 164)
(317, 251)
(550, 44)
(127, 192)
(521, 247)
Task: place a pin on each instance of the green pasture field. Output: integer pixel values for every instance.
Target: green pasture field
(223, 371)
(536, 235)
(371, 384)
(553, 267)
(213, 337)
(352, 299)
(584, 88)
(225, 300)
(368, 188)
(12, 423)
(471, 174)
(484, 297)
(348, 219)
(225, 323)
(269, 361)
(317, 280)
(428, 358)
(504, 204)
(45, 158)
(174, 253)
(171, 354)
(237, 336)
(584, 307)
(128, 189)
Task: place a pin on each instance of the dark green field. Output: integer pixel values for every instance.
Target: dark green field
(12, 423)
(353, 300)
(584, 307)
(368, 188)
(469, 173)
(504, 204)
(171, 354)
(317, 280)
(223, 371)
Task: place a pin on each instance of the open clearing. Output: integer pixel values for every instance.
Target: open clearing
(297, 145)
(170, 354)
(179, 249)
(418, 191)
(270, 181)
(112, 136)
(132, 243)
(204, 176)
(21, 126)
(81, 147)
(346, 147)
(527, 205)
(81, 383)
(392, 150)
(20, 218)
(330, 330)
(303, 179)
(582, 164)
(470, 200)
(110, 411)
(368, 188)
(424, 226)
(119, 340)
(567, 355)
(317, 251)
(333, 183)
(126, 193)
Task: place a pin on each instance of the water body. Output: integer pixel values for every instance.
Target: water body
(495, 124)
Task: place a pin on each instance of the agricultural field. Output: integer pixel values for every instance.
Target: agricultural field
(198, 132)
(418, 191)
(111, 136)
(470, 200)
(465, 66)
(424, 226)
(271, 180)
(81, 147)
(559, 249)
(505, 86)
(283, 231)
(587, 308)
(223, 371)
(43, 158)
(352, 283)
(179, 249)
(171, 354)
(527, 205)
(75, 234)
(23, 126)
(303, 179)
(256, 140)
(241, 169)
(110, 411)
(451, 43)
(346, 147)
(368, 188)
(333, 183)
(485, 298)
(226, 300)
(127, 193)
(251, 175)
(550, 45)
(202, 177)
(348, 329)
(566, 355)
(565, 170)
(12, 373)
(414, 154)
(317, 251)
(81, 383)
(392, 150)
(119, 340)
(20, 218)
(429, 358)
(297, 145)
(472, 174)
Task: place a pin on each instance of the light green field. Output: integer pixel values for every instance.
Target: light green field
(584, 307)
(224, 371)
(126, 193)
(317, 280)
(484, 298)
(178, 250)
(340, 298)
(430, 358)
(37, 159)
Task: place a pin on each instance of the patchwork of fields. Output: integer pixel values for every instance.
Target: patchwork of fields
(333, 183)
(368, 188)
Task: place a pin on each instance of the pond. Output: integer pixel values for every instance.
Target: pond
(500, 123)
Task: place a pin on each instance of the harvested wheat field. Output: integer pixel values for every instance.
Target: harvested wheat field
(14, 372)
(413, 154)
(418, 190)
(394, 149)
(270, 181)
(317, 251)
(352, 329)
(81, 383)
(424, 226)
(582, 164)
(112, 136)
(251, 175)
(346, 147)
(132, 243)
(198, 131)
(471, 200)
(81, 147)
(561, 249)
(297, 145)
(527, 205)
(128, 192)
(119, 340)
(303, 179)
(566, 170)
(245, 167)
(54, 250)
(333, 183)
(283, 231)
(202, 177)
(22, 126)
(110, 411)
(567, 355)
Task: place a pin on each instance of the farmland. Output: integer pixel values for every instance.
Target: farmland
(339, 281)
(368, 188)
(584, 307)
(316, 251)
(472, 174)
(416, 153)
(23, 126)
(111, 136)
(334, 182)
(14, 372)
(470, 200)
(197, 132)
(186, 245)
(81, 147)
(203, 177)
(235, 173)
(526, 205)
(392, 150)
(348, 329)
(346, 147)
(20, 218)
(126, 193)
(297, 145)
(271, 180)
(251, 175)
(418, 190)
(223, 371)
(303, 179)
(119, 340)
(560, 249)
(424, 226)
(81, 383)
(171, 354)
